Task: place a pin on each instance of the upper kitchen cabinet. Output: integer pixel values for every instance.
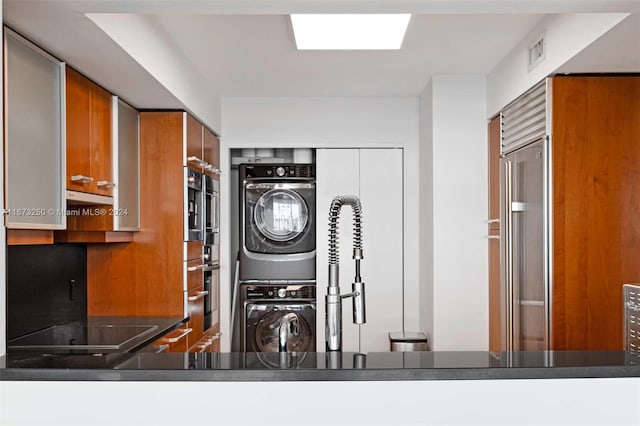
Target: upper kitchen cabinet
(124, 214)
(202, 147)
(89, 156)
(211, 153)
(193, 143)
(34, 136)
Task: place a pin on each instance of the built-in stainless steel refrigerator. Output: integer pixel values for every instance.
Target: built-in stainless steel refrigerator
(524, 217)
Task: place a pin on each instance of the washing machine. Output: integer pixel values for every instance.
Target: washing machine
(265, 306)
(277, 223)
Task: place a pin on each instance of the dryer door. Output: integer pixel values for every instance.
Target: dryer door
(281, 214)
(279, 217)
(263, 326)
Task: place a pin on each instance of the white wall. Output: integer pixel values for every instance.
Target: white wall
(331, 122)
(168, 65)
(455, 293)
(566, 35)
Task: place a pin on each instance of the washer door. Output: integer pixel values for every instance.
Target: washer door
(263, 326)
(281, 215)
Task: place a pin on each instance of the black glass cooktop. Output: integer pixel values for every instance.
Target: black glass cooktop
(75, 336)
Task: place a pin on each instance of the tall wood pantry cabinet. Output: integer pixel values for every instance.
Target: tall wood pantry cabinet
(157, 274)
(593, 131)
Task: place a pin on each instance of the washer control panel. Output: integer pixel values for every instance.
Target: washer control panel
(279, 292)
(279, 171)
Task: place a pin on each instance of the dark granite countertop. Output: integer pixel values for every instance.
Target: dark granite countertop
(320, 366)
(98, 342)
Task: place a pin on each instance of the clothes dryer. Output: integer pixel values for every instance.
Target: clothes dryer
(277, 224)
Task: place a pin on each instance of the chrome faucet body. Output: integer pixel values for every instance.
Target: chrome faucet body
(333, 299)
(288, 324)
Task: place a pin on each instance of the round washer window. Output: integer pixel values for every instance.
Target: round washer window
(280, 215)
(267, 333)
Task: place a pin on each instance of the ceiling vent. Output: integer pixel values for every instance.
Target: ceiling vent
(536, 53)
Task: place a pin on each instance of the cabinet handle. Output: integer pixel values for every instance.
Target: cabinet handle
(213, 338)
(194, 159)
(195, 268)
(492, 237)
(81, 179)
(213, 169)
(199, 295)
(106, 183)
(202, 346)
(184, 332)
(161, 348)
(493, 221)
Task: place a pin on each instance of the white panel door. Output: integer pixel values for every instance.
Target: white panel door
(374, 175)
(337, 173)
(381, 190)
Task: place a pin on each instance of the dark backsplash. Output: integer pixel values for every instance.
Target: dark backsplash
(46, 285)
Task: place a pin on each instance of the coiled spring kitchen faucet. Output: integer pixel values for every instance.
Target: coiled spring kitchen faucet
(333, 299)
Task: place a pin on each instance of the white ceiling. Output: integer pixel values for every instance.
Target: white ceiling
(245, 48)
(253, 55)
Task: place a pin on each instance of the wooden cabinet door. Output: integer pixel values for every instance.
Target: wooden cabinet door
(596, 200)
(214, 337)
(88, 136)
(211, 152)
(494, 173)
(495, 304)
(195, 310)
(210, 341)
(176, 340)
(194, 143)
(100, 141)
(78, 131)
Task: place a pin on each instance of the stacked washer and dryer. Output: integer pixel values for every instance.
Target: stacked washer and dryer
(277, 256)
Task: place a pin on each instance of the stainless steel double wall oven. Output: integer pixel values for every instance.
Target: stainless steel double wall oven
(202, 223)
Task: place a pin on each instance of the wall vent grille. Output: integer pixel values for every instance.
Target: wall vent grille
(524, 120)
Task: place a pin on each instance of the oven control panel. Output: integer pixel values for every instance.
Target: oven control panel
(278, 292)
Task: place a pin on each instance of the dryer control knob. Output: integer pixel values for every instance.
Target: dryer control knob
(282, 292)
(280, 171)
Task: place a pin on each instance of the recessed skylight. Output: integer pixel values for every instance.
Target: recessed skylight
(349, 31)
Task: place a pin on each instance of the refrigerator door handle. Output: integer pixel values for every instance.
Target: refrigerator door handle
(508, 190)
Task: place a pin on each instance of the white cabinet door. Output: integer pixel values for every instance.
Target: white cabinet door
(35, 137)
(337, 173)
(381, 191)
(374, 175)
